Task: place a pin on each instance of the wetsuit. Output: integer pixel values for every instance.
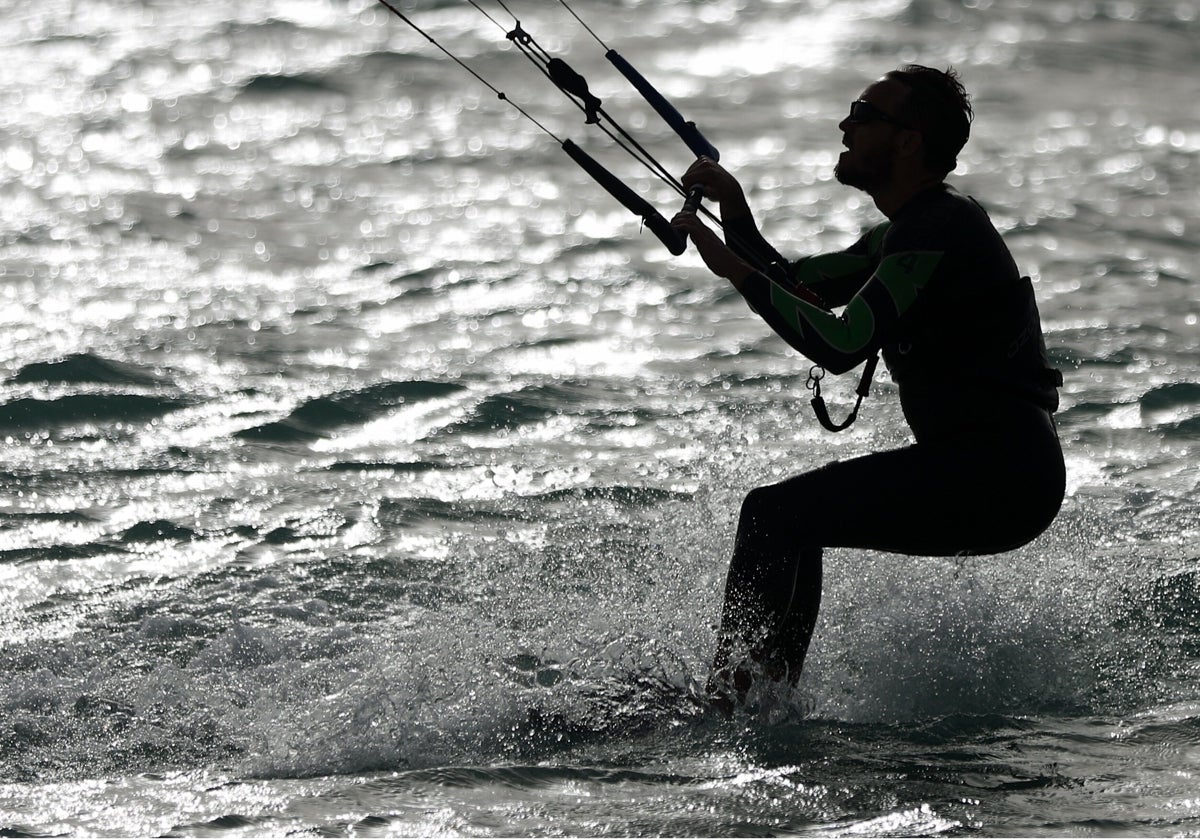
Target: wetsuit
(938, 293)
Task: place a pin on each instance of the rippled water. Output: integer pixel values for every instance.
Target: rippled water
(366, 471)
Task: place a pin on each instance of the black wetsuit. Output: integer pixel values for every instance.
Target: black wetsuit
(937, 291)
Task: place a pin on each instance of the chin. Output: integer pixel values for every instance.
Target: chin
(847, 173)
(844, 174)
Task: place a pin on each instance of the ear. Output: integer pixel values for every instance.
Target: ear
(910, 143)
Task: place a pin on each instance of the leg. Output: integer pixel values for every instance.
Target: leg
(772, 594)
(924, 500)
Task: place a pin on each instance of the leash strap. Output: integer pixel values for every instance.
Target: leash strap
(816, 374)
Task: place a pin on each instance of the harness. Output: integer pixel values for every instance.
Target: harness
(1031, 377)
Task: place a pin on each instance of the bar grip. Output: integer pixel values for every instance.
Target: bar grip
(675, 241)
(686, 130)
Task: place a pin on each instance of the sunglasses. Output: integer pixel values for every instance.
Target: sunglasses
(864, 112)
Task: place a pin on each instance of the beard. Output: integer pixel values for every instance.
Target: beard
(869, 173)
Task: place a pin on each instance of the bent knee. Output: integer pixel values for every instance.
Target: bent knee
(770, 500)
(1024, 516)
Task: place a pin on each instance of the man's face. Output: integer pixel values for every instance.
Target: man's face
(870, 140)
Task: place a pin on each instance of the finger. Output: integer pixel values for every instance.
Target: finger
(700, 172)
(689, 223)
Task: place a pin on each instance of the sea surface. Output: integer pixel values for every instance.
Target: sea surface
(366, 470)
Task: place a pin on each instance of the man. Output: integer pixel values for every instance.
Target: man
(935, 290)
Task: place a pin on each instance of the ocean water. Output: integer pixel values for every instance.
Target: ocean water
(366, 471)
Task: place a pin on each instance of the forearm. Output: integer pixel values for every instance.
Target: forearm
(741, 233)
(743, 236)
(835, 342)
(839, 342)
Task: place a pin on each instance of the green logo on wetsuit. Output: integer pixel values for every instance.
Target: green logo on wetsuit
(904, 275)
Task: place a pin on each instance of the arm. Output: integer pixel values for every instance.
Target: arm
(838, 276)
(885, 288)
(741, 232)
(839, 342)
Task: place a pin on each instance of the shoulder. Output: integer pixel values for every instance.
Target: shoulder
(938, 219)
(872, 241)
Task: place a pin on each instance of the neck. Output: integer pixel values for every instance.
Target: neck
(892, 198)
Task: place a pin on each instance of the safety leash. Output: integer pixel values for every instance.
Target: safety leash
(816, 374)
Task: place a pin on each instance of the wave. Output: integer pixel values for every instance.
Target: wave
(323, 416)
(423, 510)
(384, 64)
(285, 85)
(1171, 409)
(384, 466)
(35, 414)
(419, 511)
(623, 495)
(1175, 406)
(529, 777)
(1182, 733)
(1189, 428)
(82, 551)
(141, 533)
(86, 368)
(219, 826)
(524, 407)
(157, 530)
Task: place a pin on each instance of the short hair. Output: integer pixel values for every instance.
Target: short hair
(938, 106)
